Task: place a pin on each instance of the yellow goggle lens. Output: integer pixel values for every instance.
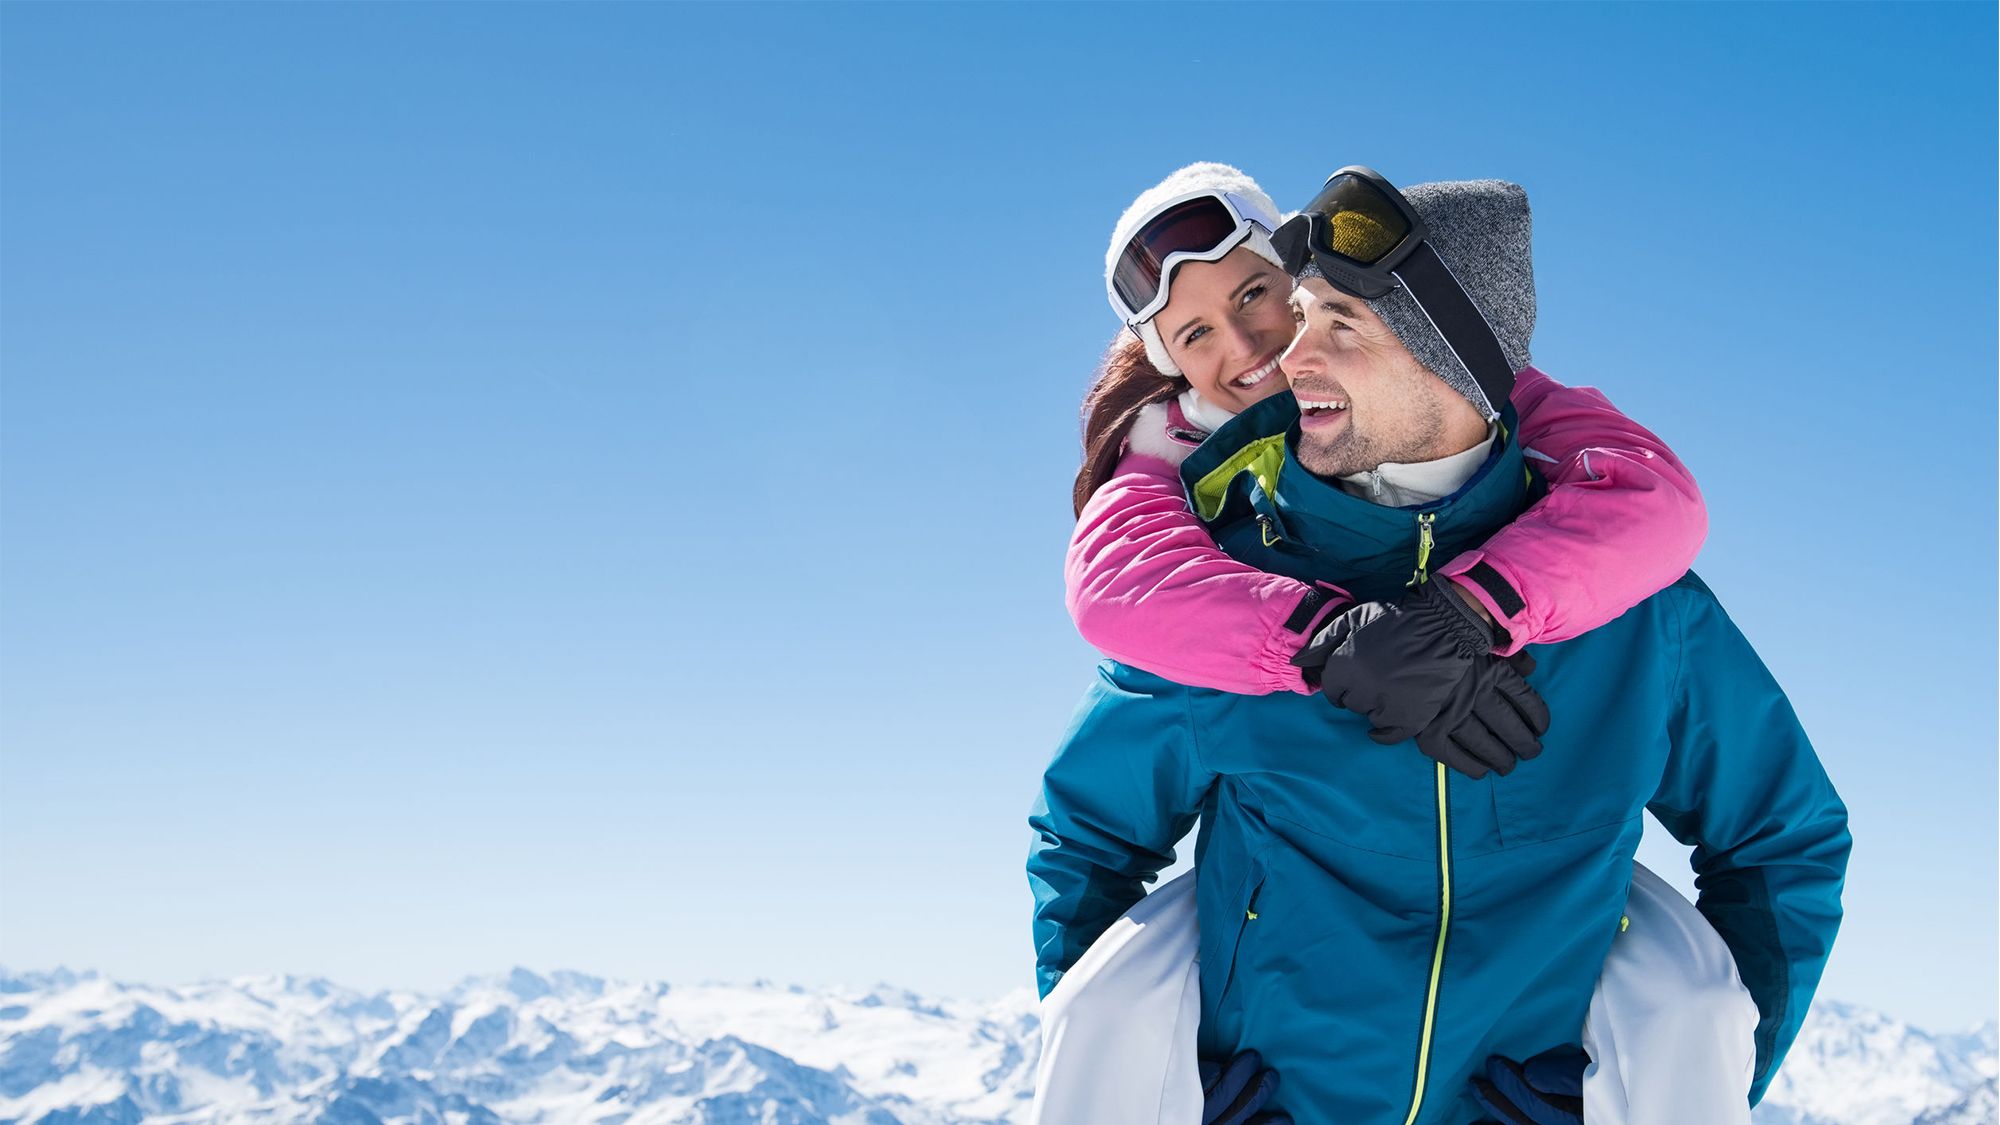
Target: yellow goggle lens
(1360, 237)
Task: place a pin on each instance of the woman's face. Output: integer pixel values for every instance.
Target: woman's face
(1225, 324)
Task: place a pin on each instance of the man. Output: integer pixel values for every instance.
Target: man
(1374, 924)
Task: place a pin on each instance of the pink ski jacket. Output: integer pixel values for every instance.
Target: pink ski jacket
(1148, 587)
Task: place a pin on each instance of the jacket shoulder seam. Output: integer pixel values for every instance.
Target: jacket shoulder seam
(1193, 729)
(1674, 685)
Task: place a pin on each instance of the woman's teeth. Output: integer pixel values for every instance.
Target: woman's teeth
(1245, 382)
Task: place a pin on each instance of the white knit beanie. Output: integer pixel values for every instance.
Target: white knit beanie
(1193, 178)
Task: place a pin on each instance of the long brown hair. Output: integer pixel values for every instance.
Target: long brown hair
(1126, 382)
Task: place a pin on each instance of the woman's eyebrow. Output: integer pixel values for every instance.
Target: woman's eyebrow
(1247, 283)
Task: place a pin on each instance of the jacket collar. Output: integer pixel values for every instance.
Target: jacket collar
(1267, 509)
(1413, 484)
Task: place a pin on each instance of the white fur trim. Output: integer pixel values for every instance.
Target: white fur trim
(1202, 413)
(1149, 435)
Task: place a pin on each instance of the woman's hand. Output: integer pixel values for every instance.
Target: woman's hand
(1235, 1094)
(1545, 1090)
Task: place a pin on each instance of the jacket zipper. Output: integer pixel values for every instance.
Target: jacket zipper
(1437, 953)
(1242, 931)
(1424, 544)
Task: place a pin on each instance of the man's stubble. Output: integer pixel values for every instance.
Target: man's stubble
(1403, 420)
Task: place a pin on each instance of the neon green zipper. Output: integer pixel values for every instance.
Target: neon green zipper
(1425, 542)
(1437, 954)
(1424, 545)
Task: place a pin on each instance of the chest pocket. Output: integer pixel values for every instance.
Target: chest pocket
(1605, 752)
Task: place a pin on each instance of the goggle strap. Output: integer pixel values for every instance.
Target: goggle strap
(1245, 209)
(1464, 328)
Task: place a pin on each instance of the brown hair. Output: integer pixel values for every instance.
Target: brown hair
(1126, 382)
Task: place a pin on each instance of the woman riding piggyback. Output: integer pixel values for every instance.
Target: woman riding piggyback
(1206, 332)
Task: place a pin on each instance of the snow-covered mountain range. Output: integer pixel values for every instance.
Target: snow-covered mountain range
(79, 1048)
(1854, 1066)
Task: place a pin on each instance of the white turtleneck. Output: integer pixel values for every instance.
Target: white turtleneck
(1394, 484)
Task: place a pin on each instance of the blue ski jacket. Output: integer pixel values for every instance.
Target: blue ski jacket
(1376, 925)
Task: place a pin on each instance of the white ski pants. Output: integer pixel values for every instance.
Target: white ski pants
(1669, 1031)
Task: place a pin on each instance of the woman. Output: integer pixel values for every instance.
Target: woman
(1209, 318)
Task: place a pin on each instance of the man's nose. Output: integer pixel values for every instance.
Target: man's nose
(1301, 357)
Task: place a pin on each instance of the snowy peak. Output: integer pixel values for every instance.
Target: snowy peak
(523, 1046)
(1855, 1066)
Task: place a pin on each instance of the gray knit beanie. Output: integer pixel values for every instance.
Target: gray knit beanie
(1482, 230)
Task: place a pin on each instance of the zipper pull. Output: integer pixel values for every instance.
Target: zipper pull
(1264, 524)
(1424, 545)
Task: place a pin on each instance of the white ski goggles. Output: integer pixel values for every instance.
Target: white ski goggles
(1200, 226)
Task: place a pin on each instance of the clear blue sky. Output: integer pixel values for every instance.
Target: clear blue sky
(584, 486)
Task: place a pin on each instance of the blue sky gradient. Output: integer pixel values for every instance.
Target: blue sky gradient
(584, 486)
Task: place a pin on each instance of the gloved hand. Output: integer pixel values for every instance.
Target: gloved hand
(1495, 723)
(1546, 1090)
(1423, 668)
(1232, 1095)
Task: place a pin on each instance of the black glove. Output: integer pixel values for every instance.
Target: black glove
(1423, 668)
(1232, 1095)
(1546, 1090)
(1497, 721)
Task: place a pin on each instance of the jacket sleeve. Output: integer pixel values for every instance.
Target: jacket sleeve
(1125, 785)
(1147, 586)
(1770, 836)
(1622, 520)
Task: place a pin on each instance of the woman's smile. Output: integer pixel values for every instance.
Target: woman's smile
(1257, 375)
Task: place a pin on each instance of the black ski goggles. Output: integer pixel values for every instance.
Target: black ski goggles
(1201, 226)
(1367, 240)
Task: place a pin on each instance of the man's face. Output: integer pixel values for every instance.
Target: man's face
(1363, 399)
